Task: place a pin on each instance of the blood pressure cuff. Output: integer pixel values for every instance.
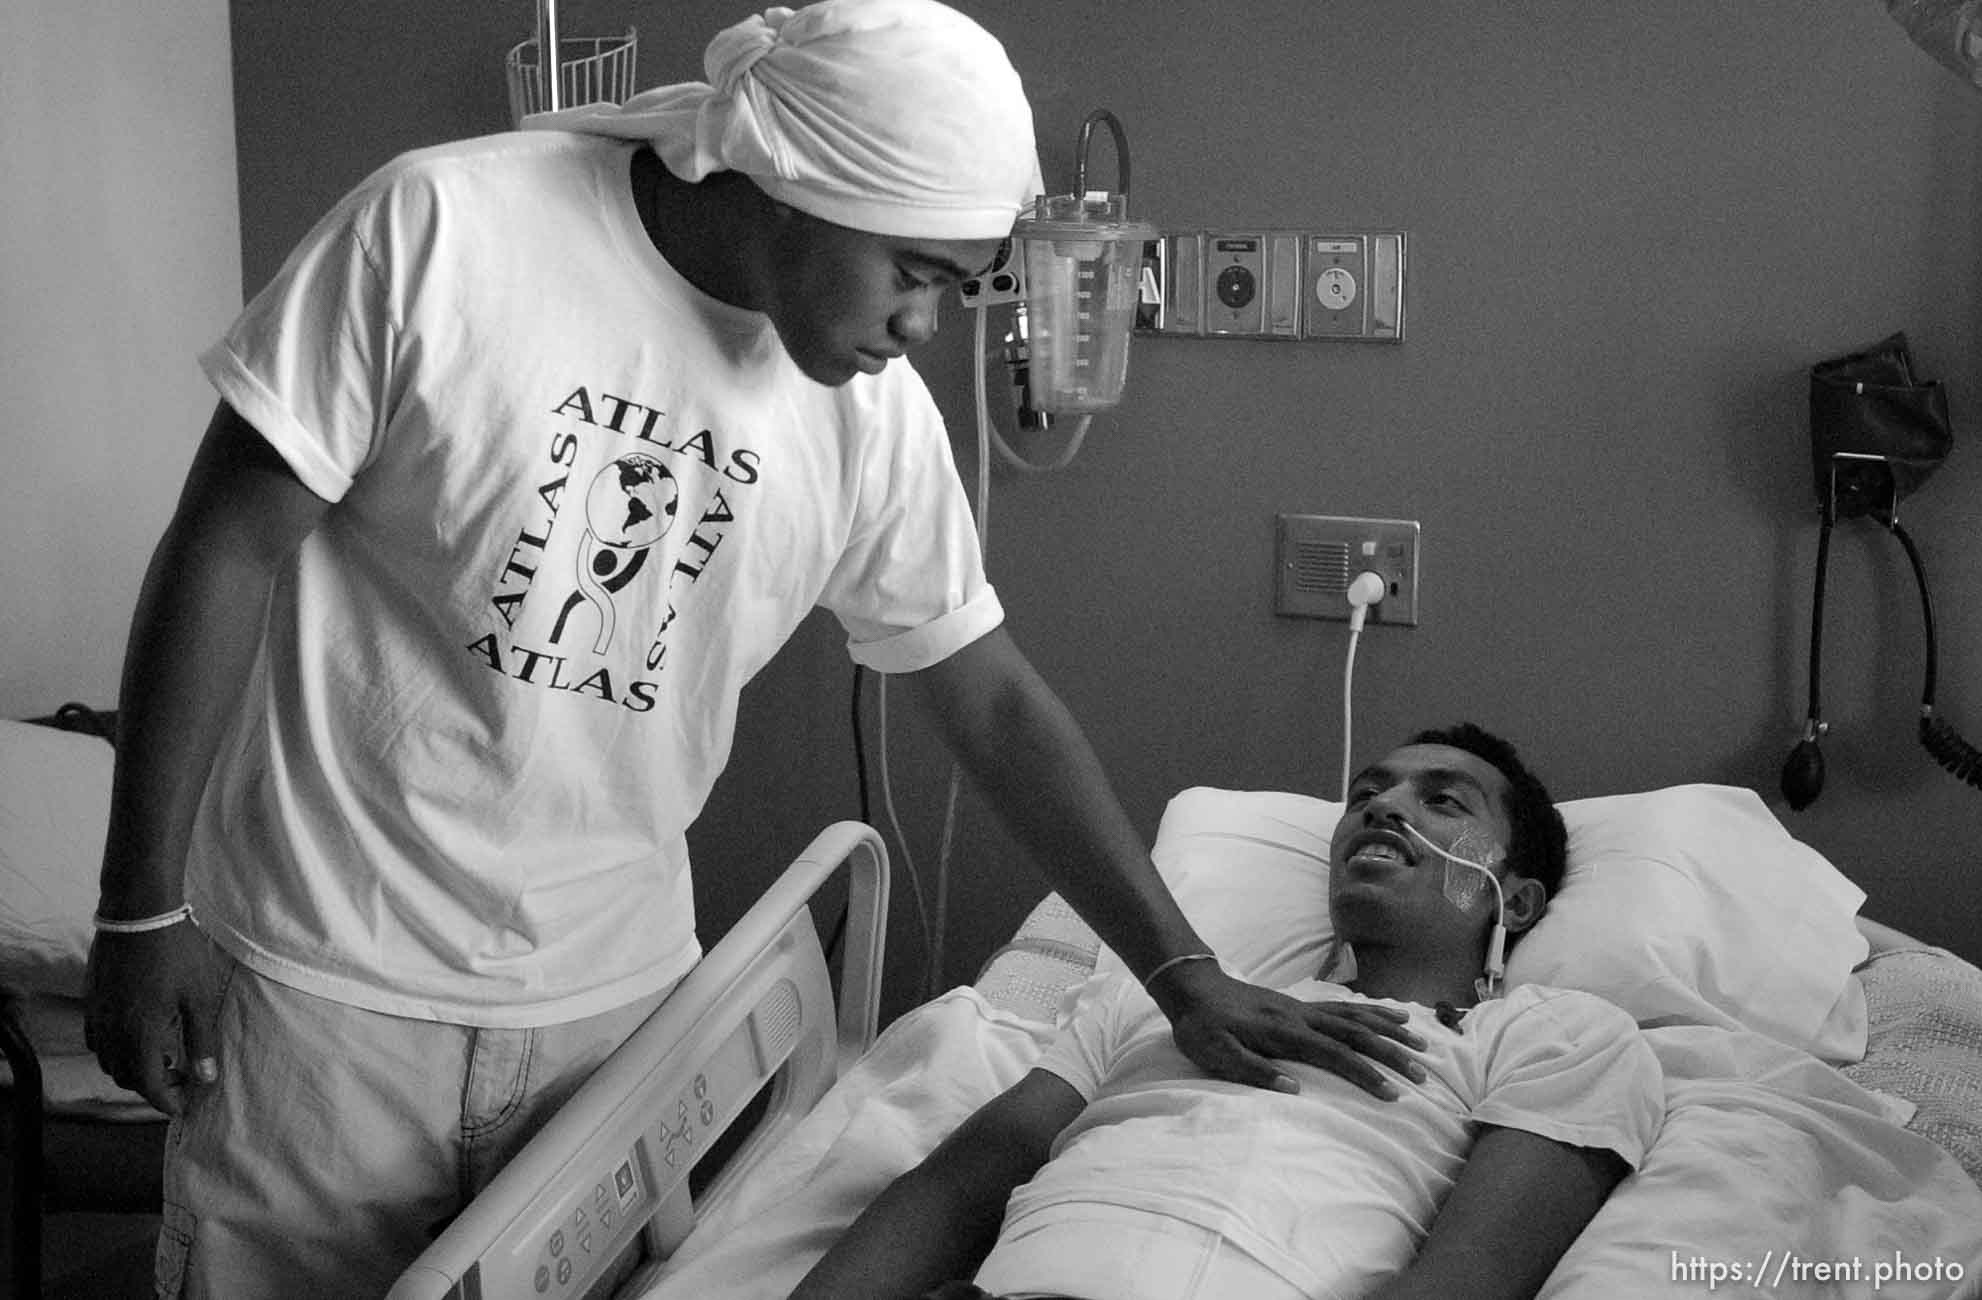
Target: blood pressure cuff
(1870, 405)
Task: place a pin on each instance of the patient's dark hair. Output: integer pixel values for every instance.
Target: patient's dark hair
(1540, 848)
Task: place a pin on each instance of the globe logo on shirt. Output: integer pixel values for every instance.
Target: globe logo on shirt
(632, 502)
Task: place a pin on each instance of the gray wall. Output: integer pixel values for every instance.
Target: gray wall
(119, 257)
(1634, 228)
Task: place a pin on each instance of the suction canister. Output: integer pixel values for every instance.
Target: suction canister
(1083, 279)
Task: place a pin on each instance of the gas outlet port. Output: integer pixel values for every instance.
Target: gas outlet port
(1354, 286)
(1234, 270)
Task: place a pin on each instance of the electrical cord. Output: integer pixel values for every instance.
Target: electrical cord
(934, 926)
(860, 744)
(838, 934)
(933, 932)
(894, 822)
(935, 922)
(1365, 591)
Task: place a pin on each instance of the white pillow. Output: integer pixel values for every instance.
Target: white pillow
(1687, 904)
(1692, 905)
(54, 808)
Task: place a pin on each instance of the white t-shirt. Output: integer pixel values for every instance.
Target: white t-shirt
(1332, 1189)
(578, 504)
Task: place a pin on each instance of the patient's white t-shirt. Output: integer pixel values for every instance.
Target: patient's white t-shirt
(1332, 1189)
(578, 504)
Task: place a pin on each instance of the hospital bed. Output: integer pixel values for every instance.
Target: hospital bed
(1823, 1129)
(72, 1141)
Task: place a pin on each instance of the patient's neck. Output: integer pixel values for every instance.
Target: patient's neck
(1412, 975)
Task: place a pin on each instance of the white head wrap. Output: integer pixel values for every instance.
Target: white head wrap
(899, 117)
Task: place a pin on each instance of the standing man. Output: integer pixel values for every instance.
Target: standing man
(534, 451)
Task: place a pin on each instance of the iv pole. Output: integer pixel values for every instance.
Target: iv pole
(548, 53)
(549, 71)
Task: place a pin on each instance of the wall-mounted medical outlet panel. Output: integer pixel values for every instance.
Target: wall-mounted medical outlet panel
(1183, 284)
(1003, 282)
(1284, 284)
(1354, 286)
(1234, 283)
(1151, 311)
(1316, 557)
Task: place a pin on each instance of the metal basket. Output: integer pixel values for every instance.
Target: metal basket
(591, 70)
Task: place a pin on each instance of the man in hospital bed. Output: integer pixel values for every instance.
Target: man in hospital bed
(1149, 1181)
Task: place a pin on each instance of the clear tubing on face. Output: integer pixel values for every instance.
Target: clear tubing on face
(1488, 985)
(1468, 867)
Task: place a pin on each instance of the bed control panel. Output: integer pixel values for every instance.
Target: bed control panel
(598, 1200)
(593, 1231)
(634, 1206)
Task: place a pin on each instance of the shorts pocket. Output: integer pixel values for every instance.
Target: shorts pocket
(175, 1248)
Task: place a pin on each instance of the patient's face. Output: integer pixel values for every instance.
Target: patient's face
(1381, 875)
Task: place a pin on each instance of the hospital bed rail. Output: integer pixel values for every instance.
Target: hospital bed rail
(600, 1196)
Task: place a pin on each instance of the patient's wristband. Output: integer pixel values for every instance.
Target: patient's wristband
(1173, 962)
(183, 912)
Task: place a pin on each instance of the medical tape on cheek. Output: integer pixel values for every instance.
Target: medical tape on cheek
(1468, 865)
(1488, 985)
(1463, 886)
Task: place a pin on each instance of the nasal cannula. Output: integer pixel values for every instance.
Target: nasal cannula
(1461, 893)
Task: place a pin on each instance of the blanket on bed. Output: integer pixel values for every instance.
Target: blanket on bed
(1772, 1170)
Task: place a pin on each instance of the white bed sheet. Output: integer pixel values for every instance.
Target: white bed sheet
(1771, 1164)
(928, 1071)
(1774, 1171)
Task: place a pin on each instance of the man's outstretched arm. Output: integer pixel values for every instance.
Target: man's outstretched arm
(1515, 1209)
(938, 1221)
(1027, 754)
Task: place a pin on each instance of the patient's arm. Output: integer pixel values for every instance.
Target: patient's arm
(1028, 755)
(1517, 1205)
(937, 1222)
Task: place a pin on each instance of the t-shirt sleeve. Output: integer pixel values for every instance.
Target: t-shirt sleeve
(1574, 1068)
(308, 361)
(1085, 1047)
(909, 588)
